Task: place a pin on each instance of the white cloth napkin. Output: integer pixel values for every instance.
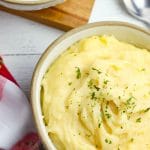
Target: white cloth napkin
(15, 114)
(113, 10)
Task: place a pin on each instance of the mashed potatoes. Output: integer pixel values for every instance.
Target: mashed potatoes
(96, 96)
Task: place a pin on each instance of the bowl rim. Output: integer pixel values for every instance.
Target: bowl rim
(29, 3)
(50, 48)
(29, 6)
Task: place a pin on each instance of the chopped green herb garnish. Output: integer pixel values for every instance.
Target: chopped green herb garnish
(90, 84)
(69, 83)
(132, 140)
(78, 73)
(146, 110)
(99, 125)
(67, 107)
(107, 104)
(130, 104)
(99, 72)
(88, 135)
(143, 69)
(119, 97)
(108, 115)
(93, 95)
(105, 82)
(129, 100)
(97, 88)
(108, 141)
(138, 120)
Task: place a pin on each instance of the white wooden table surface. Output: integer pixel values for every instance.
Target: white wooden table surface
(23, 41)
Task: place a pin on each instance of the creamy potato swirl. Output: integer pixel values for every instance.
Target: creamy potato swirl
(96, 96)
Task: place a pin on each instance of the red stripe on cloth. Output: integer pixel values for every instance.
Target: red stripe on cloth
(4, 72)
(2, 85)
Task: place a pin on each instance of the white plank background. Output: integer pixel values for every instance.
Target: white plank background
(23, 41)
(21, 44)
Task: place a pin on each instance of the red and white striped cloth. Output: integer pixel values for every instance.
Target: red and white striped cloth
(16, 123)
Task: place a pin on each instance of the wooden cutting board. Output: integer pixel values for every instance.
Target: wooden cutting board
(66, 16)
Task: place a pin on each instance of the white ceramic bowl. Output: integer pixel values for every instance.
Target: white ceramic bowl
(122, 31)
(28, 5)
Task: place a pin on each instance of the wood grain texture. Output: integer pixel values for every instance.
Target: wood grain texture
(66, 16)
